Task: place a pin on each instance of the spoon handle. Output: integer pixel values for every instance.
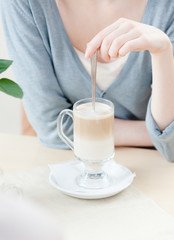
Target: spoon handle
(93, 77)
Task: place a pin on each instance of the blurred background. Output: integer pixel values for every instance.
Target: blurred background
(9, 106)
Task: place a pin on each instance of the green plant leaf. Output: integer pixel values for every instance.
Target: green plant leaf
(4, 64)
(11, 88)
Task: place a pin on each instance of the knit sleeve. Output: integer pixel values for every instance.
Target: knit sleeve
(163, 141)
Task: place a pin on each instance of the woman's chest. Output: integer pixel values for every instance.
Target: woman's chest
(82, 23)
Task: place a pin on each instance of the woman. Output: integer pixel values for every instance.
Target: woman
(47, 41)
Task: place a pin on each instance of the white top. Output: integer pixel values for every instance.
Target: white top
(106, 72)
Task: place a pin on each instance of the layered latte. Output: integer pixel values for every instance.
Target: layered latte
(93, 131)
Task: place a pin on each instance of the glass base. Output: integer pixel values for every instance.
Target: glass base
(93, 180)
(93, 175)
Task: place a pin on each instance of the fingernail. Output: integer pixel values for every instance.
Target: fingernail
(111, 54)
(87, 52)
(120, 54)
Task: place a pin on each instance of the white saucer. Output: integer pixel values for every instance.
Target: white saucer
(63, 177)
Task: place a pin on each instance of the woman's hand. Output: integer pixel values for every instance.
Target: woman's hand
(125, 36)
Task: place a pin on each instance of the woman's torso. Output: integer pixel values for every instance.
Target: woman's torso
(131, 90)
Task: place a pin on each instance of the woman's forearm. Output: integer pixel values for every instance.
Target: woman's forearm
(162, 104)
(131, 133)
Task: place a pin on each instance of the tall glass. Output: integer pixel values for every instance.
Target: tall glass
(93, 139)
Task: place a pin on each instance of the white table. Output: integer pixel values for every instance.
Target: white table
(154, 175)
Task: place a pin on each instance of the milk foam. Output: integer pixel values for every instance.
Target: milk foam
(86, 110)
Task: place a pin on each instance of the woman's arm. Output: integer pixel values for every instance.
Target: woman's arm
(125, 36)
(131, 133)
(43, 97)
(162, 103)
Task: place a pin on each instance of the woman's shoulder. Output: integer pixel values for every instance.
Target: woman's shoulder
(161, 6)
(23, 5)
(159, 13)
(27, 8)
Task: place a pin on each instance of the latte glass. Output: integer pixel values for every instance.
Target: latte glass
(93, 139)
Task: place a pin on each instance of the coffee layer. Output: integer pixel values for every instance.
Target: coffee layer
(93, 125)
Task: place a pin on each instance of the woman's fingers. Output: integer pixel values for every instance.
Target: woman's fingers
(120, 41)
(95, 43)
(132, 45)
(108, 40)
(124, 36)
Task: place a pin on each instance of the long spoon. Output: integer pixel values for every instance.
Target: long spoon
(93, 77)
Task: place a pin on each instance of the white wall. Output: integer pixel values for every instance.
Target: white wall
(9, 106)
